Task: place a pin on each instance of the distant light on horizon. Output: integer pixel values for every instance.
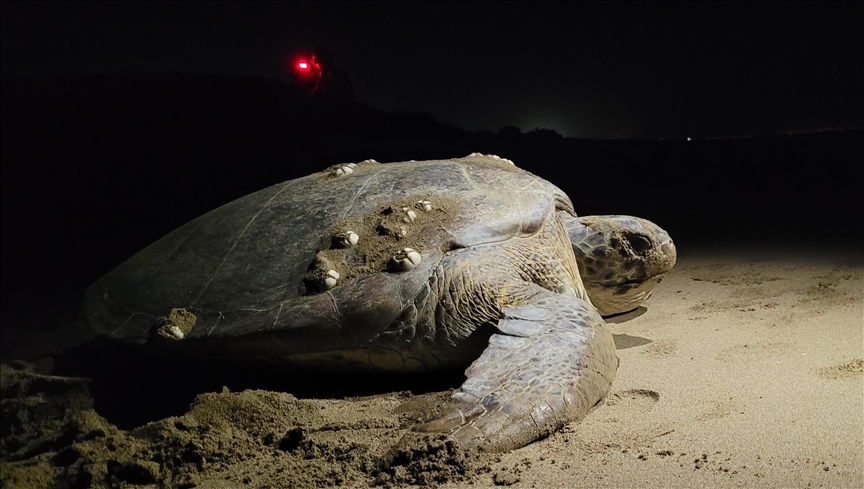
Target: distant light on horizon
(559, 123)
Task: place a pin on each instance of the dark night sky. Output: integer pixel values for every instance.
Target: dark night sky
(604, 70)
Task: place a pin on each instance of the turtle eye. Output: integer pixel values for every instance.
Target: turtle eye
(640, 244)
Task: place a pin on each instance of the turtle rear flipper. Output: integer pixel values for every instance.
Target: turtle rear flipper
(551, 362)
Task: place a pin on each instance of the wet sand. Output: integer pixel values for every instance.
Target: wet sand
(746, 369)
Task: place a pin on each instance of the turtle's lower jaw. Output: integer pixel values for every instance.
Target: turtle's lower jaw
(621, 259)
(611, 299)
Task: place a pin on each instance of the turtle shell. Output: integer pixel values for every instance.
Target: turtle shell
(253, 272)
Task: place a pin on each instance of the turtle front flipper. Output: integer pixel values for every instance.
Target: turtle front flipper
(551, 361)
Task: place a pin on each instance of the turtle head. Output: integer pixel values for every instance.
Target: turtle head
(621, 259)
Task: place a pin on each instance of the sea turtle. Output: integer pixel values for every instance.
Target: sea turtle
(409, 266)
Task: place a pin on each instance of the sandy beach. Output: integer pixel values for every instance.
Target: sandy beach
(745, 370)
(752, 378)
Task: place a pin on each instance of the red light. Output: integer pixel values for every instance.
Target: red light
(302, 65)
